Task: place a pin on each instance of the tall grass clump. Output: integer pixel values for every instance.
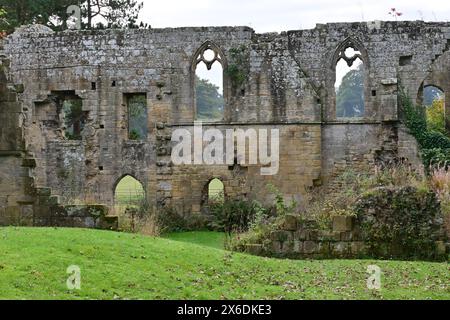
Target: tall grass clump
(338, 199)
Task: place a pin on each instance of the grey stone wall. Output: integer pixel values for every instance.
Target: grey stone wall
(289, 85)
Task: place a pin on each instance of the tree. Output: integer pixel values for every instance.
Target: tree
(430, 94)
(53, 13)
(74, 118)
(350, 95)
(114, 13)
(46, 12)
(3, 23)
(210, 102)
(436, 116)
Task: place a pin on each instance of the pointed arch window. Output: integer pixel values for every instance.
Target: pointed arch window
(350, 84)
(208, 72)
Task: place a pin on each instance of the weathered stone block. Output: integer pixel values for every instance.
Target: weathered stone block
(324, 248)
(340, 249)
(298, 246)
(346, 236)
(312, 235)
(276, 247)
(108, 223)
(310, 247)
(343, 223)
(289, 223)
(281, 236)
(301, 235)
(440, 248)
(357, 248)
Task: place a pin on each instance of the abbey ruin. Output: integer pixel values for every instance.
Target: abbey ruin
(284, 81)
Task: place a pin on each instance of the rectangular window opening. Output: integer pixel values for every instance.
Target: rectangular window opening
(137, 115)
(405, 60)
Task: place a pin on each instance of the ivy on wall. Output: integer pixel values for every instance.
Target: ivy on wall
(434, 145)
(238, 68)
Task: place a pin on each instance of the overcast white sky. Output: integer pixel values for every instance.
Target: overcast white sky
(283, 15)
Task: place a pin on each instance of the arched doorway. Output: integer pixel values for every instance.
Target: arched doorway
(213, 194)
(216, 191)
(129, 193)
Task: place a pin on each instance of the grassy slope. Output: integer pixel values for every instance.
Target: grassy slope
(203, 238)
(33, 264)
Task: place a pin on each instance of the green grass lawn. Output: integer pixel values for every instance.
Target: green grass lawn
(204, 238)
(33, 264)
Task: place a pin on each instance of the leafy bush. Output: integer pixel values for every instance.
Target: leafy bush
(400, 222)
(281, 207)
(236, 216)
(440, 183)
(262, 221)
(134, 135)
(238, 68)
(339, 198)
(171, 220)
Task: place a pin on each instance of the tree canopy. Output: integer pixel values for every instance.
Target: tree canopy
(350, 95)
(210, 103)
(116, 13)
(3, 23)
(53, 13)
(436, 116)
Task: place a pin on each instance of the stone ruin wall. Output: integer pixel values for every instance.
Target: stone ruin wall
(289, 85)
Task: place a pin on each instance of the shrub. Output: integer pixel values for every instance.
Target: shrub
(281, 207)
(134, 135)
(239, 66)
(261, 221)
(400, 222)
(339, 198)
(236, 216)
(170, 219)
(440, 183)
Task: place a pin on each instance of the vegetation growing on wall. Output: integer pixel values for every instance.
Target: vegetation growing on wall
(238, 67)
(434, 145)
(396, 207)
(402, 222)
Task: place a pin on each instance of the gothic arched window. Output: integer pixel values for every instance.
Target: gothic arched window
(209, 83)
(350, 82)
